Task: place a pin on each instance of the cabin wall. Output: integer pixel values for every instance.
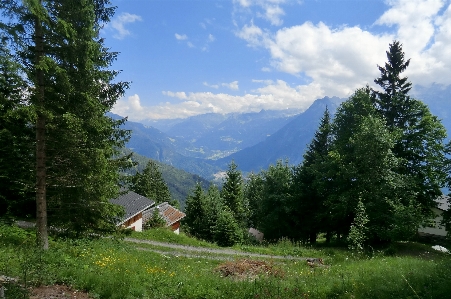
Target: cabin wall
(438, 229)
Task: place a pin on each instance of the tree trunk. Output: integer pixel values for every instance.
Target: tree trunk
(41, 200)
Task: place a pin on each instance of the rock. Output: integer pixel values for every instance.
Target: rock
(440, 248)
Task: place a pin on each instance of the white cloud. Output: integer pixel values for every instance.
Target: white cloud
(336, 61)
(424, 28)
(345, 58)
(252, 34)
(181, 36)
(130, 105)
(215, 86)
(119, 22)
(232, 85)
(211, 38)
(190, 44)
(269, 10)
(274, 95)
(181, 95)
(267, 82)
(414, 21)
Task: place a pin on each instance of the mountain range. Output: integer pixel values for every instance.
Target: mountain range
(205, 144)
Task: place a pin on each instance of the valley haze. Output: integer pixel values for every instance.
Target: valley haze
(206, 144)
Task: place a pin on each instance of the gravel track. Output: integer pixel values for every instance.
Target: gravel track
(193, 249)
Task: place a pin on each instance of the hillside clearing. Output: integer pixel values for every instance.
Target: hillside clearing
(110, 268)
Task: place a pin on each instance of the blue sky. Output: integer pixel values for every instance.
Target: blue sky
(189, 57)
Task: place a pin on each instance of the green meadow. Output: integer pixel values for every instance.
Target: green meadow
(114, 268)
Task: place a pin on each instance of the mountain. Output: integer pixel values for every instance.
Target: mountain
(195, 127)
(209, 136)
(290, 142)
(253, 140)
(240, 131)
(156, 145)
(214, 135)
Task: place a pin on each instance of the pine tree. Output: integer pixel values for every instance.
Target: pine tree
(151, 184)
(393, 101)
(277, 217)
(16, 137)
(361, 166)
(196, 214)
(421, 145)
(227, 231)
(71, 89)
(213, 207)
(253, 191)
(232, 193)
(308, 197)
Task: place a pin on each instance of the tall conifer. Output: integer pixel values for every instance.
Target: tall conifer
(71, 89)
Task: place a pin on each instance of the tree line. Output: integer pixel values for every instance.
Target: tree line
(370, 175)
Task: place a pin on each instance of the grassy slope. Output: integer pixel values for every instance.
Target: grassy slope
(110, 268)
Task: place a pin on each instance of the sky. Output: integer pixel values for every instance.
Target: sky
(190, 57)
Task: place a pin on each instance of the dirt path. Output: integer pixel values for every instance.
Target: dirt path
(193, 250)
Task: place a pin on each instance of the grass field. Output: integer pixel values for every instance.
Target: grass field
(112, 268)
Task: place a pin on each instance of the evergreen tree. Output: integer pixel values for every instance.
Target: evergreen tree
(393, 101)
(232, 193)
(421, 145)
(277, 217)
(16, 137)
(253, 191)
(363, 167)
(150, 184)
(196, 214)
(213, 207)
(71, 89)
(308, 197)
(227, 231)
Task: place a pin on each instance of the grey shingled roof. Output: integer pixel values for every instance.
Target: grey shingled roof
(133, 204)
(442, 203)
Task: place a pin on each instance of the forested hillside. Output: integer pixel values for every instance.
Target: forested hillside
(179, 182)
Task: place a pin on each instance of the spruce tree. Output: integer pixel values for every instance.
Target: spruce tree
(421, 145)
(277, 217)
(67, 69)
(227, 231)
(16, 138)
(394, 98)
(196, 214)
(151, 184)
(232, 193)
(213, 207)
(308, 194)
(253, 191)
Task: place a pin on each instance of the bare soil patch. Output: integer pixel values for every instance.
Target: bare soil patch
(246, 268)
(57, 291)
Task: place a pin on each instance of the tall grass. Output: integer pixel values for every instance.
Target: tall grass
(109, 268)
